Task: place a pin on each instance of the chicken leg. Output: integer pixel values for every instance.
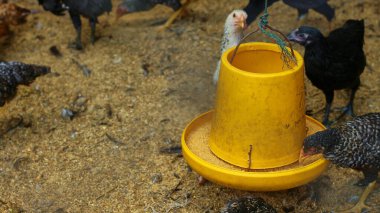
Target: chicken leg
(75, 18)
(360, 205)
(370, 175)
(327, 11)
(349, 109)
(174, 16)
(329, 98)
(302, 16)
(93, 22)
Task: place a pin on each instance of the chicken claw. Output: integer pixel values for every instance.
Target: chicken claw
(361, 203)
(174, 16)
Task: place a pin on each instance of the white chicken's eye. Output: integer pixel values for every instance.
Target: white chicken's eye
(234, 15)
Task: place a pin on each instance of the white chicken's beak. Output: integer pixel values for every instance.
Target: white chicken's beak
(242, 23)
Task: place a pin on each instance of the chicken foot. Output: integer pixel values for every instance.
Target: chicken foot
(360, 205)
(174, 16)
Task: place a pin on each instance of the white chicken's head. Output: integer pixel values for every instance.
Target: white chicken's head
(236, 20)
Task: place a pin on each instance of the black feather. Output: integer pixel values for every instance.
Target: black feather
(256, 7)
(54, 6)
(334, 62)
(13, 74)
(89, 8)
(337, 61)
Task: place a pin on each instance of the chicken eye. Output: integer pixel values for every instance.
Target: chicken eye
(302, 35)
(234, 15)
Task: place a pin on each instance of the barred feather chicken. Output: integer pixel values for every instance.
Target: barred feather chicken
(90, 9)
(354, 144)
(334, 62)
(13, 74)
(233, 32)
(248, 205)
(132, 6)
(11, 14)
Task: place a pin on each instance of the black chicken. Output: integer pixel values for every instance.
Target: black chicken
(355, 144)
(255, 7)
(334, 62)
(90, 9)
(16, 73)
(247, 205)
(132, 6)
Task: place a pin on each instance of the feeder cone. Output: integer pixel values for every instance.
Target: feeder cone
(253, 138)
(259, 119)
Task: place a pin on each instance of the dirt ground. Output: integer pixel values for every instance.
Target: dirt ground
(144, 87)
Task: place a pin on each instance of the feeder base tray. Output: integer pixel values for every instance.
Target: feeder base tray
(200, 158)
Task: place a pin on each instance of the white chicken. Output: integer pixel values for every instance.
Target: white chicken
(233, 32)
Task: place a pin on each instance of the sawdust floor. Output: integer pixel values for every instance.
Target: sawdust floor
(144, 88)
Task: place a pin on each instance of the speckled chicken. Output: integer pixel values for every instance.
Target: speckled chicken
(233, 32)
(334, 62)
(11, 14)
(354, 144)
(13, 74)
(248, 205)
(132, 6)
(90, 9)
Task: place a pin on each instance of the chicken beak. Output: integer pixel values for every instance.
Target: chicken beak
(292, 36)
(243, 25)
(307, 158)
(309, 152)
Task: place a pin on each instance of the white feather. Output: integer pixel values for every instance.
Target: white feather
(231, 36)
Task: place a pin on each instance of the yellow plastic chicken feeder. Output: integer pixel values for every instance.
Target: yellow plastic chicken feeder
(253, 138)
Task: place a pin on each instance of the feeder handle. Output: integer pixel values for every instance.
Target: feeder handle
(286, 39)
(240, 42)
(255, 31)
